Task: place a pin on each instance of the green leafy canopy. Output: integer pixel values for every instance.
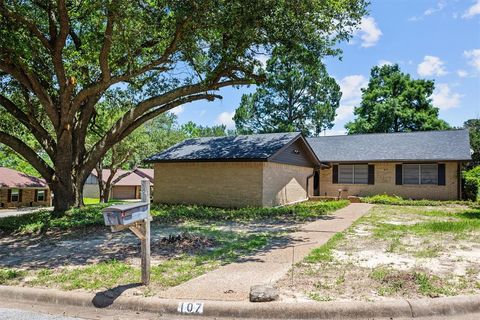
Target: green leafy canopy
(298, 95)
(394, 102)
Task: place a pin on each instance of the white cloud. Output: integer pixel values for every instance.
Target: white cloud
(462, 73)
(177, 110)
(440, 5)
(444, 98)
(333, 132)
(430, 66)
(472, 11)
(344, 112)
(382, 63)
(351, 95)
(369, 32)
(351, 85)
(474, 57)
(226, 118)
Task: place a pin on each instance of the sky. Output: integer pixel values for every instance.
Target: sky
(429, 39)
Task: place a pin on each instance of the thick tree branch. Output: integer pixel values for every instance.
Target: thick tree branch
(32, 83)
(164, 59)
(30, 155)
(107, 45)
(29, 25)
(66, 86)
(127, 124)
(32, 124)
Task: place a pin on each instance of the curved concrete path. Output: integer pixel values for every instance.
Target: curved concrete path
(233, 281)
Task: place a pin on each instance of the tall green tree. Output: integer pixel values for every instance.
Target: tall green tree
(193, 130)
(59, 58)
(298, 95)
(473, 126)
(394, 102)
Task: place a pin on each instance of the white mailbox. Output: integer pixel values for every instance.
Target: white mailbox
(125, 214)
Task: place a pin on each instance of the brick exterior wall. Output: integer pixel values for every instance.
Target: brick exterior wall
(219, 184)
(283, 183)
(28, 199)
(385, 183)
(230, 184)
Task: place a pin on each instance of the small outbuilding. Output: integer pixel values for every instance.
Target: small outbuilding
(18, 189)
(235, 171)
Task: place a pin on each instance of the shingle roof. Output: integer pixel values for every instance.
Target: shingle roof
(10, 178)
(243, 147)
(411, 146)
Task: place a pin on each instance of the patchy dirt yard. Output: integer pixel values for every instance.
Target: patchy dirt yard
(394, 251)
(96, 258)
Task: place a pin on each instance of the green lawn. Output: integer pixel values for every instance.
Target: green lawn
(88, 201)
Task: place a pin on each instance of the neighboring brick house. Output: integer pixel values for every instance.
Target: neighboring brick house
(126, 188)
(18, 189)
(281, 168)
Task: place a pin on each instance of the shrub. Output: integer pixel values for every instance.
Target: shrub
(472, 184)
(396, 200)
(91, 215)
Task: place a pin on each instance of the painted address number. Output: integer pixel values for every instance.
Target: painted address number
(190, 307)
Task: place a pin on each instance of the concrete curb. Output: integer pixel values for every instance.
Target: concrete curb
(304, 310)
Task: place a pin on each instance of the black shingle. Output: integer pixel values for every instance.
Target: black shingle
(411, 146)
(243, 147)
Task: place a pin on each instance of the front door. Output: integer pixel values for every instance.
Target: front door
(316, 183)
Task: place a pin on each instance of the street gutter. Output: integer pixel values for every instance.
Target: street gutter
(405, 308)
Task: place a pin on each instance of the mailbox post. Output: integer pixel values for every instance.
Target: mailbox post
(136, 217)
(146, 240)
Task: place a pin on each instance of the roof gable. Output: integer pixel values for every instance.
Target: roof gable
(409, 146)
(259, 147)
(130, 178)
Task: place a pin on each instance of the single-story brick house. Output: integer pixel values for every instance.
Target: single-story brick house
(281, 168)
(18, 189)
(128, 187)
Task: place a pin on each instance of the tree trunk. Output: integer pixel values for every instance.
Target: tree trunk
(109, 184)
(99, 169)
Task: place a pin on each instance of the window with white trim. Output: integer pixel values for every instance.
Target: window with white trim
(15, 195)
(353, 173)
(40, 195)
(420, 174)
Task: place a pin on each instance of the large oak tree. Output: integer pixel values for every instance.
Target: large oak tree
(59, 58)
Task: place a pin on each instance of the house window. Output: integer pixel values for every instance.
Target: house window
(40, 195)
(353, 174)
(15, 195)
(420, 174)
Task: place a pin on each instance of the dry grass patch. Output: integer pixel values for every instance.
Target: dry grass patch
(394, 251)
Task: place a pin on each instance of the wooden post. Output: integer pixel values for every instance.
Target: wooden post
(146, 232)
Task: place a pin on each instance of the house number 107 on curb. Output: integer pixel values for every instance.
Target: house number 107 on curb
(190, 307)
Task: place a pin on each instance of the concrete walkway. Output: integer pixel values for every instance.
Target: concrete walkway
(232, 282)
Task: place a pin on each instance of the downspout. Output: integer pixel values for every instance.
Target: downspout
(308, 183)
